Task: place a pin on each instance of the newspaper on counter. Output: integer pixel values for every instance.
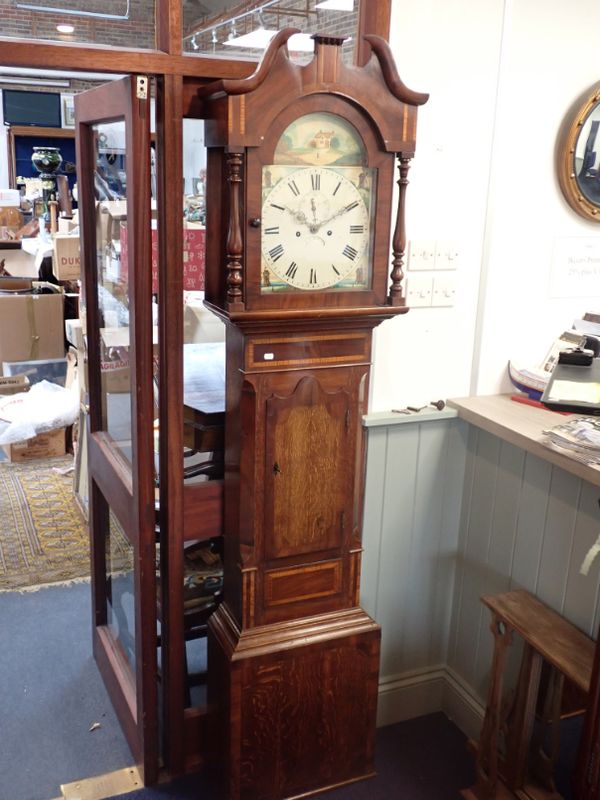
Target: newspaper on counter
(580, 437)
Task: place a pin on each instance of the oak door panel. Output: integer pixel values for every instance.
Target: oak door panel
(309, 459)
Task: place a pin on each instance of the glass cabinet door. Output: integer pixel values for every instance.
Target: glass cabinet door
(114, 186)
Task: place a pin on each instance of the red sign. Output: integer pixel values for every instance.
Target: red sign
(194, 242)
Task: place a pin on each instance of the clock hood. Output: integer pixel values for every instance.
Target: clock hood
(277, 83)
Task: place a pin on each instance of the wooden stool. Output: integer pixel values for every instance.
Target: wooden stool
(548, 638)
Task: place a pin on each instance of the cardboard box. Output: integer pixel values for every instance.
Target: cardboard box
(74, 334)
(66, 260)
(67, 225)
(17, 261)
(11, 285)
(53, 370)
(10, 197)
(109, 214)
(82, 373)
(44, 445)
(13, 384)
(31, 327)
(115, 376)
(200, 324)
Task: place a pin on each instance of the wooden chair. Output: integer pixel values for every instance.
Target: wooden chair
(11, 221)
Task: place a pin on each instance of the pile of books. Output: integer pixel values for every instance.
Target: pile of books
(579, 438)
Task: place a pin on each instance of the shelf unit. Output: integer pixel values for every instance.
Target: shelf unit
(21, 140)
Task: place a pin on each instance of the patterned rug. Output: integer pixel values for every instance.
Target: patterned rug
(43, 536)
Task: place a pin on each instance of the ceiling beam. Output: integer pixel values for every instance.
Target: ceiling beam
(94, 58)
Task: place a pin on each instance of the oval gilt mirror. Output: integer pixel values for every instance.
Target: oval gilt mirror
(578, 155)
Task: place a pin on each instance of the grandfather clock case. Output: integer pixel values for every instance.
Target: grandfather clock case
(301, 167)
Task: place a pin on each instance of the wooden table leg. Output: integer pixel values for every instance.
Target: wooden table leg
(520, 726)
(487, 755)
(546, 748)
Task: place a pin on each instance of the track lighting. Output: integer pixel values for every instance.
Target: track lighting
(260, 18)
(233, 34)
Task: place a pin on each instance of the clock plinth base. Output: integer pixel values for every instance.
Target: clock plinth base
(298, 702)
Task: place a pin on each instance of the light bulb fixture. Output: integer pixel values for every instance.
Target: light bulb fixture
(73, 12)
(257, 39)
(336, 5)
(64, 28)
(241, 40)
(34, 81)
(233, 34)
(260, 18)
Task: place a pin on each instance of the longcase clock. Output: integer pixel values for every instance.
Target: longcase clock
(301, 167)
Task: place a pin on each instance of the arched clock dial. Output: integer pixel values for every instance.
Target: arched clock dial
(316, 230)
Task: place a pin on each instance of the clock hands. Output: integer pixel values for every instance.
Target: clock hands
(343, 210)
(301, 217)
(297, 215)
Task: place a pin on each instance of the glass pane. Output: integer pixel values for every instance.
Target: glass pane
(204, 332)
(204, 411)
(113, 283)
(244, 30)
(120, 588)
(119, 23)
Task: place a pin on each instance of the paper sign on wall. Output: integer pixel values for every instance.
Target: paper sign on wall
(575, 270)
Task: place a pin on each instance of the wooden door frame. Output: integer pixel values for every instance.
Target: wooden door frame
(129, 490)
(176, 75)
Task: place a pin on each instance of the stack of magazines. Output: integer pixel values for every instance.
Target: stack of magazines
(579, 438)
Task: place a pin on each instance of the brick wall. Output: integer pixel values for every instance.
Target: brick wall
(137, 31)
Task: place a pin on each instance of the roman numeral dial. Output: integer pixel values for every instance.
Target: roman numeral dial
(316, 228)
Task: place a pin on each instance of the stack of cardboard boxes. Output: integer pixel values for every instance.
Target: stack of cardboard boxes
(31, 340)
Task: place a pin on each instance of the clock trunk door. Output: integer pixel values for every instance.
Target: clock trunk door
(113, 157)
(309, 463)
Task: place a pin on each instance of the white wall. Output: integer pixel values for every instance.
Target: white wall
(501, 76)
(547, 64)
(194, 152)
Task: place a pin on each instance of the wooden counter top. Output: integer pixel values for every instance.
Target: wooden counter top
(522, 425)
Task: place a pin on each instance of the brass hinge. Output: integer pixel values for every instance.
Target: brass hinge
(141, 87)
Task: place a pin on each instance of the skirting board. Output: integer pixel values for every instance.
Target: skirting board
(420, 692)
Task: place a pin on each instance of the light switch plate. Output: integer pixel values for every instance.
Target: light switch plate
(421, 254)
(419, 289)
(447, 255)
(444, 290)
